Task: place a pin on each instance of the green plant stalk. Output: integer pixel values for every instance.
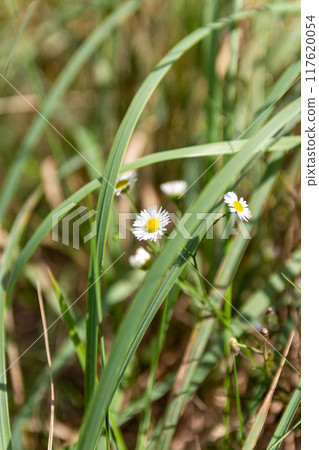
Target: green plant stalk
(227, 383)
(129, 197)
(291, 282)
(29, 12)
(238, 405)
(230, 95)
(98, 326)
(214, 97)
(146, 418)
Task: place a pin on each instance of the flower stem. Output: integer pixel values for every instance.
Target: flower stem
(131, 202)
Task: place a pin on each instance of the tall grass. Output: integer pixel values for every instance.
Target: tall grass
(187, 91)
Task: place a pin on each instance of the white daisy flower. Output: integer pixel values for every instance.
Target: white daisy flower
(150, 224)
(174, 189)
(238, 206)
(141, 259)
(123, 182)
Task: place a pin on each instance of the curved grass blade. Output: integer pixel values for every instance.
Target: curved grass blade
(153, 291)
(214, 149)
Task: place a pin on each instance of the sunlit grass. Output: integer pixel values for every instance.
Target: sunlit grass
(177, 91)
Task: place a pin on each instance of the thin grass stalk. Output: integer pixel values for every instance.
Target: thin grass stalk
(230, 95)
(146, 418)
(227, 383)
(238, 404)
(47, 349)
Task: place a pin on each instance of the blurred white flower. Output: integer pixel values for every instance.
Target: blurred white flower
(141, 259)
(238, 206)
(123, 182)
(174, 189)
(150, 224)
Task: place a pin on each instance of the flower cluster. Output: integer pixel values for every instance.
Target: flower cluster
(150, 224)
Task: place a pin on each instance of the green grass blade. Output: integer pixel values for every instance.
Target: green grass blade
(286, 419)
(69, 321)
(214, 149)
(45, 227)
(290, 282)
(281, 86)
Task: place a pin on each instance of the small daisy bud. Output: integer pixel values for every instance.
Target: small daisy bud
(264, 332)
(269, 310)
(174, 189)
(141, 259)
(233, 342)
(234, 346)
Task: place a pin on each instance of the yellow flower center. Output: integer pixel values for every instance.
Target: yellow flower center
(121, 184)
(152, 225)
(238, 206)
